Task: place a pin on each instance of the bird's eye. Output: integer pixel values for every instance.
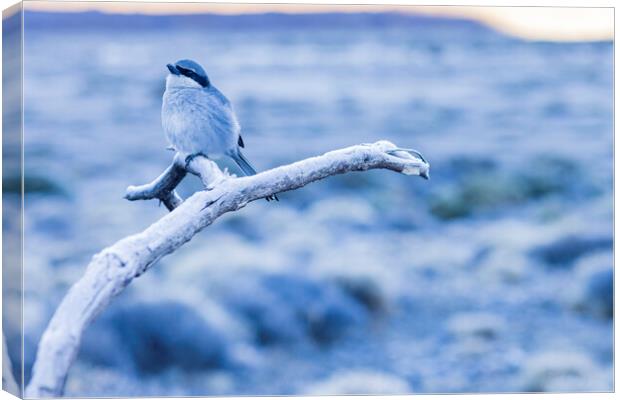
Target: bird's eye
(202, 80)
(185, 71)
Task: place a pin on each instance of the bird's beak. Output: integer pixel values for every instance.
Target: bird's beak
(173, 70)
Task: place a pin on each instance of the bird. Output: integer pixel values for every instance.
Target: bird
(198, 119)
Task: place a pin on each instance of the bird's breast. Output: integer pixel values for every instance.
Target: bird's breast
(193, 123)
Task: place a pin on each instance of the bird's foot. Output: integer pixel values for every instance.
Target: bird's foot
(272, 197)
(189, 158)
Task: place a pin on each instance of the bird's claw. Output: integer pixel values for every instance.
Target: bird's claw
(272, 197)
(190, 157)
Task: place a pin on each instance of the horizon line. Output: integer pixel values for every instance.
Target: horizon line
(567, 24)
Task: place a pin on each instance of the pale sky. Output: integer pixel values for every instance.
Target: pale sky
(540, 23)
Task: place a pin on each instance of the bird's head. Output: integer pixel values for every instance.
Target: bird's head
(187, 73)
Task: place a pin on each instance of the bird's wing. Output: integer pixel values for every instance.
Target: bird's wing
(240, 142)
(221, 116)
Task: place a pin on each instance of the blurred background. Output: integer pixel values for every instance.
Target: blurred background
(496, 275)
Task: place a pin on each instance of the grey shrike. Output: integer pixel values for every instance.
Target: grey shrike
(198, 119)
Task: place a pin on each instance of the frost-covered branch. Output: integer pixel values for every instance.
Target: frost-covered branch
(111, 270)
(163, 186)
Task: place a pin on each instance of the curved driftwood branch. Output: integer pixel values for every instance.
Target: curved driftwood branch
(111, 270)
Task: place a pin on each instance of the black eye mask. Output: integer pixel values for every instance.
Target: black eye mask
(202, 80)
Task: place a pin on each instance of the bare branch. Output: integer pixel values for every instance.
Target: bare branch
(163, 186)
(110, 271)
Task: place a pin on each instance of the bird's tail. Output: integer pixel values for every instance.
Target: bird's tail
(248, 170)
(244, 164)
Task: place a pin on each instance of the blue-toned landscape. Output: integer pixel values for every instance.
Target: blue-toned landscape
(494, 276)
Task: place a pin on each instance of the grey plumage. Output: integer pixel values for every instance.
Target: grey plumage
(198, 119)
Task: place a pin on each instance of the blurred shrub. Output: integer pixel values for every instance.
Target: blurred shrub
(594, 285)
(283, 309)
(463, 166)
(565, 251)
(364, 291)
(479, 190)
(355, 182)
(154, 337)
(561, 371)
(598, 295)
(476, 325)
(33, 184)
